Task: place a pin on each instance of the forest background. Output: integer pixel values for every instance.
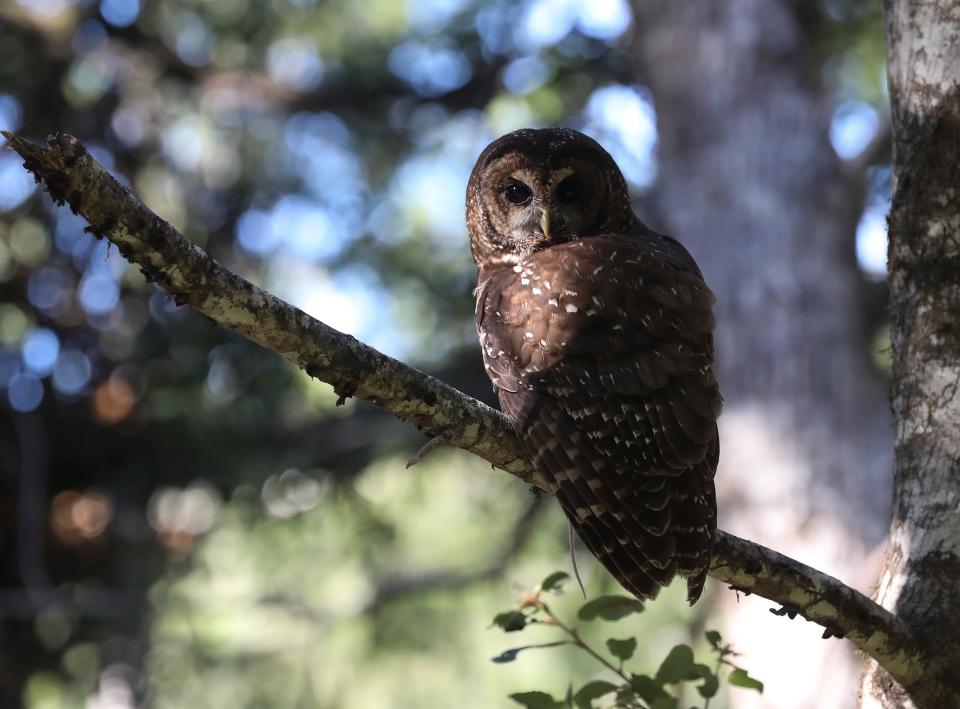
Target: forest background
(187, 520)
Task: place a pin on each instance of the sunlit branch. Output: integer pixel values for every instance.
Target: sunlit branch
(193, 278)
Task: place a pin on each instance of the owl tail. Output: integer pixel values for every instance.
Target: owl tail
(644, 529)
(624, 561)
(695, 525)
(643, 561)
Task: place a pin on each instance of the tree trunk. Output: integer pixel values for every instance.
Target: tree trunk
(921, 577)
(749, 182)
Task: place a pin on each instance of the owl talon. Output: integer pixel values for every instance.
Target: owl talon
(789, 610)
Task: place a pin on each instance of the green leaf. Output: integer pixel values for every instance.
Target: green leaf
(676, 666)
(713, 637)
(622, 648)
(507, 655)
(647, 688)
(711, 684)
(592, 690)
(510, 621)
(511, 654)
(554, 581)
(625, 695)
(740, 678)
(609, 608)
(535, 700)
(664, 703)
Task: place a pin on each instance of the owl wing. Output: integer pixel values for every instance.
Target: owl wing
(602, 355)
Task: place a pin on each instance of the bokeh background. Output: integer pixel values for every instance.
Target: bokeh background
(186, 520)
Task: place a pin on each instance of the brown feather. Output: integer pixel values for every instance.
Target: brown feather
(600, 349)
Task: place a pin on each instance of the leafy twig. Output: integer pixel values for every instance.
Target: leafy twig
(578, 641)
(635, 691)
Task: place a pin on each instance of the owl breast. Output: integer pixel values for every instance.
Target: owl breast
(615, 313)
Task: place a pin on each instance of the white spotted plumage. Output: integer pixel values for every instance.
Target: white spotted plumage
(601, 330)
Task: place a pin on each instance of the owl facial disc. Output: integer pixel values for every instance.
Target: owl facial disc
(532, 189)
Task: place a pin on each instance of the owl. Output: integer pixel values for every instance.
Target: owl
(596, 333)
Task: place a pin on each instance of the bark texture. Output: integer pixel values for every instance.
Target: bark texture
(749, 182)
(71, 175)
(921, 578)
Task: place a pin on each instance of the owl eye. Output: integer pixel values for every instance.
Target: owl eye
(569, 190)
(517, 193)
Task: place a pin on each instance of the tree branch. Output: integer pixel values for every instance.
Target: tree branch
(183, 269)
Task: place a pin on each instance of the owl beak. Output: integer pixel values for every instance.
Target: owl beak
(545, 223)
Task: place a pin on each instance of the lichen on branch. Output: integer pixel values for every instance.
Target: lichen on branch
(192, 277)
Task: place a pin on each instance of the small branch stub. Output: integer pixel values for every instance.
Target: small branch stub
(427, 448)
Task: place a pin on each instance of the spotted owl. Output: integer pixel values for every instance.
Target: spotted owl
(597, 335)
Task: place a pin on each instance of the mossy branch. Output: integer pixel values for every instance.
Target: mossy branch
(193, 278)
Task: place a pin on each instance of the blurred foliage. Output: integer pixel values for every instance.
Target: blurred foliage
(185, 519)
(663, 689)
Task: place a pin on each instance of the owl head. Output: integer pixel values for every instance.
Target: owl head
(532, 188)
